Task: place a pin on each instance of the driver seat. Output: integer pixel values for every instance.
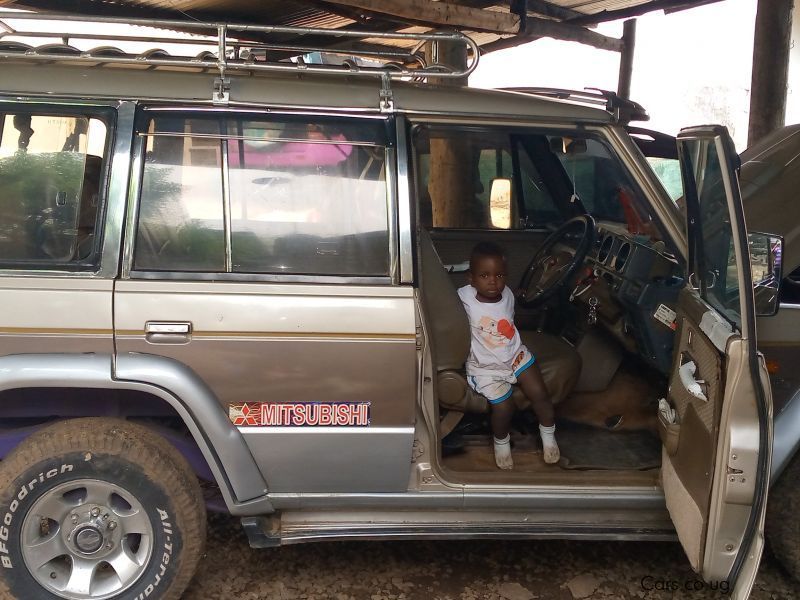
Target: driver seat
(449, 340)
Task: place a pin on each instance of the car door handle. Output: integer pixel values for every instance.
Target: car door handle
(167, 332)
(163, 327)
(686, 372)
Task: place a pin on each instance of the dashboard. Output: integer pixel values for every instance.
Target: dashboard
(633, 284)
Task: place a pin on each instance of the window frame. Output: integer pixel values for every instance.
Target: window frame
(604, 133)
(134, 198)
(92, 266)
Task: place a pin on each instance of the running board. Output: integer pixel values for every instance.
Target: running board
(273, 531)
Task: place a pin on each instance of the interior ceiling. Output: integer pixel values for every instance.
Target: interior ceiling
(492, 24)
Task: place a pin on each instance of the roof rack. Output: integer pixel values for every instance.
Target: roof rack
(230, 50)
(624, 110)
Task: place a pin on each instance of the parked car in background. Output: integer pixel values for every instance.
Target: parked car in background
(770, 184)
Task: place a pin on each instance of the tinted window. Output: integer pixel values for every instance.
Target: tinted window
(467, 178)
(308, 198)
(50, 189)
(293, 196)
(479, 179)
(181, 224)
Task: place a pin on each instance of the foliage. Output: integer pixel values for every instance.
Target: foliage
(39, 199)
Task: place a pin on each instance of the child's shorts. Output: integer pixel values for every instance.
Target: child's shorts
(497, 386)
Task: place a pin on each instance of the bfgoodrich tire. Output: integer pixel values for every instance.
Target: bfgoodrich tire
(783, 520)
(98, 509)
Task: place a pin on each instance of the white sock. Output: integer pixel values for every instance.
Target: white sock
(502, 453)
(549, 445)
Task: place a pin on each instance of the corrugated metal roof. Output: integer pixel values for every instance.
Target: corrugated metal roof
(594, 6)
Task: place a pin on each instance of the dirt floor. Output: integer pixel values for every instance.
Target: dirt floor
(501, 570)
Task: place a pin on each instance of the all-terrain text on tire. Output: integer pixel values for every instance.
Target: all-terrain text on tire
(98, 509)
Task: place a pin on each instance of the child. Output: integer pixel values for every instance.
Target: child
(498, 358)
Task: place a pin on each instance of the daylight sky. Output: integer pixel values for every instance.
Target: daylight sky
(690, 67)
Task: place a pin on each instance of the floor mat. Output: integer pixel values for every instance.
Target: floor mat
(593, 448)
(630, 395)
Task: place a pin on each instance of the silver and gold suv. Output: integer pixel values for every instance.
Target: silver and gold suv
(231, 282)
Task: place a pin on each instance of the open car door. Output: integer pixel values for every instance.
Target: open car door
(717, 445)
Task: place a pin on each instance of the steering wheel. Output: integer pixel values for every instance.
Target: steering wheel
(550, 268)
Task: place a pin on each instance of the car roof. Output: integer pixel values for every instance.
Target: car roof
(295, 90)
(769, 179)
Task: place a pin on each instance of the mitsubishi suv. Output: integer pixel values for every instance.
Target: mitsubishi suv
(230, 284)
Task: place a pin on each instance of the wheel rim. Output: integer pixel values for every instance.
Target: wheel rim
(87, 538)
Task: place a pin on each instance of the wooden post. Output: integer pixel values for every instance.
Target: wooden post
(626, 59)
(770, 68)
(449, 189)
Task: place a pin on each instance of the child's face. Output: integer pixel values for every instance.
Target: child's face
(487, 275)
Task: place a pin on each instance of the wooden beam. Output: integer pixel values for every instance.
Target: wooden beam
(626, 59)
(548, 9)
(441, 14)
(539, 28)
(425, 12)
(636, 11)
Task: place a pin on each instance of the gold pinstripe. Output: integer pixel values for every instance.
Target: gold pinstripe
(283, 334)
(53, 331)
(238, 334)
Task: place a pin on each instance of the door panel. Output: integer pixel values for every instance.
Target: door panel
(715, 478)
(261, 254)
(688, 471)
(55, 314)
(278, 344)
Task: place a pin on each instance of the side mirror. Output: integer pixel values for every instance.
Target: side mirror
(500, 206)
(766, 251)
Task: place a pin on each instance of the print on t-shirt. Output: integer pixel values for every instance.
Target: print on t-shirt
(496, 334)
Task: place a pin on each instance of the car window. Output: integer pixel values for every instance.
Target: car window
(274, 196)
(714, 270)
(50, 189)
(597, 176)
(467, 178)
(668, 171)
(181, 220)
(478, 179)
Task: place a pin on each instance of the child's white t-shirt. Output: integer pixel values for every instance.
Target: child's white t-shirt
(495, 340)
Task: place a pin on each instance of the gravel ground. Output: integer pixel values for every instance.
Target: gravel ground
(458, 570)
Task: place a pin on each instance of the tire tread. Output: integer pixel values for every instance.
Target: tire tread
(135, 443)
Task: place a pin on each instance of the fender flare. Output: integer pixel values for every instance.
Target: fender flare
(222, 445)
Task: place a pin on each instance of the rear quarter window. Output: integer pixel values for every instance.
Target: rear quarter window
(51, 189)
